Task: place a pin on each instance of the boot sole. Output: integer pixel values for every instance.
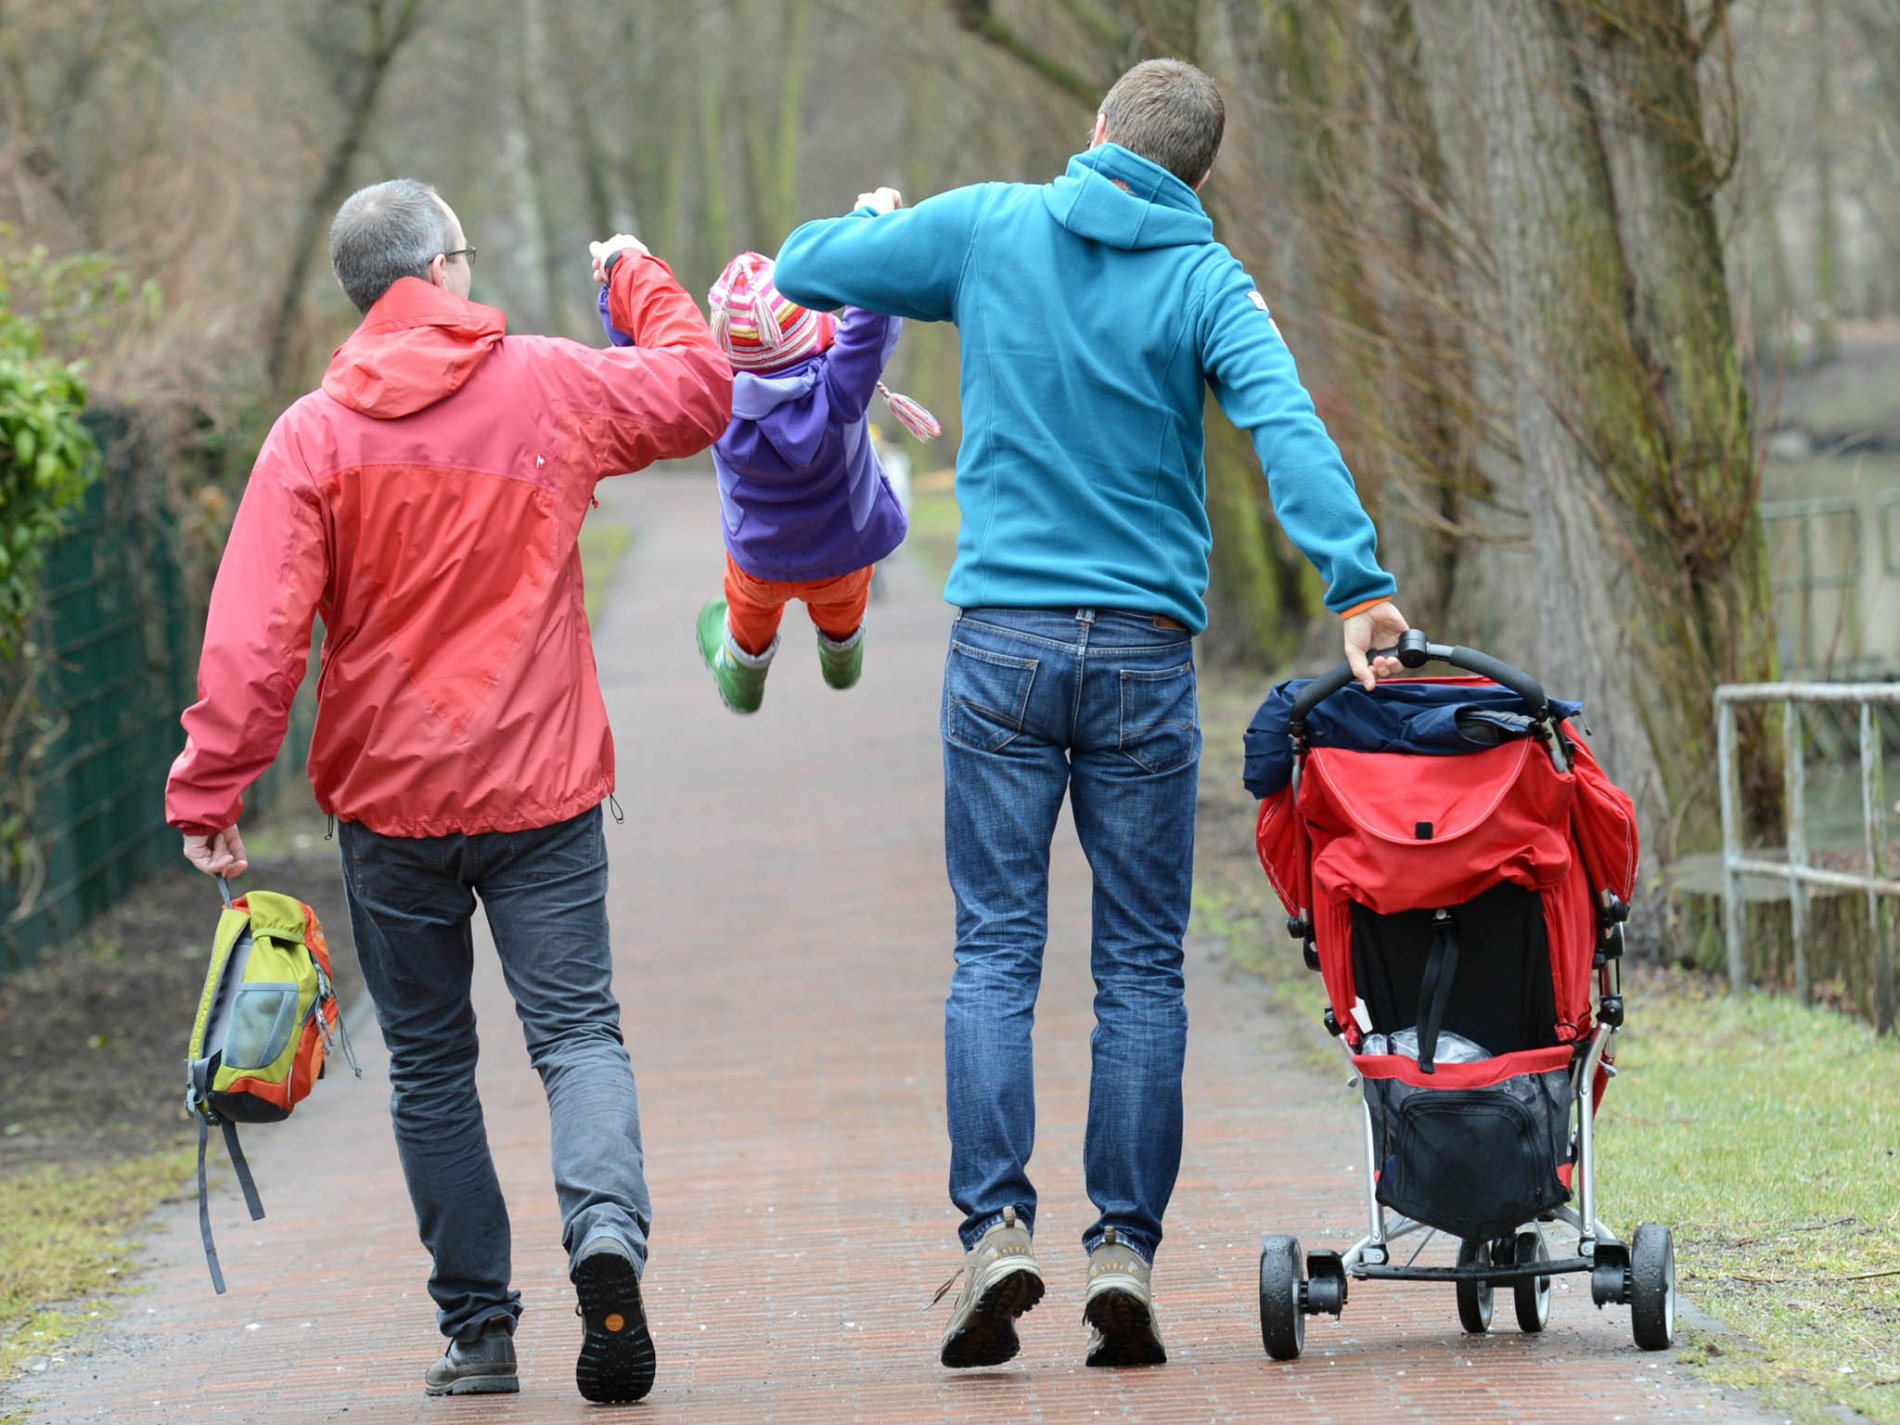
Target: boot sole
(1127, 1324)
(617, 1361)
(989, 1338)
(478, 1385)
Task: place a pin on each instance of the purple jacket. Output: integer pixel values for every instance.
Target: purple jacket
(803, 494)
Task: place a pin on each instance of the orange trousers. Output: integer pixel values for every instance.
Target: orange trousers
(755, 606)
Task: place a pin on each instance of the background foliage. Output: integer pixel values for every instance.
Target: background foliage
(1567, 278)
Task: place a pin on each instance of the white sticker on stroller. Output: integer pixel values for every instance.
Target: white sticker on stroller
(1361, 1016)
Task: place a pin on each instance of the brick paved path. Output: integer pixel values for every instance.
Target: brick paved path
(782, 927)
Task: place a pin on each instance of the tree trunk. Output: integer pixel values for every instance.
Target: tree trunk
(715, 209)
(1711, 614)
(528, 294)
(390, 23)
(1360, 196)
(769, 123)
(1827, 237)
(1626, 399)
(781, 209)
(535, 83)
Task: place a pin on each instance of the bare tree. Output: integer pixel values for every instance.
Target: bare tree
(1626, 401)
(356, 42)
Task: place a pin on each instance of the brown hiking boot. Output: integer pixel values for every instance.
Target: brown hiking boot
(1001, 1281)
(1120, 1307)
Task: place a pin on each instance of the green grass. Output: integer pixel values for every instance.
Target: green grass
(1768, 1137)
(1765, 1135)
(602, 544)
(65, 1236)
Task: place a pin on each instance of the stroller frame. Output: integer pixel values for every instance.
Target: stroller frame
(1639, 1273)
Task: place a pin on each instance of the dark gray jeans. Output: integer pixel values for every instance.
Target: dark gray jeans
(545, 892)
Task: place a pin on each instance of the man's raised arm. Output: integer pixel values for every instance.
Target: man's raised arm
(903, 261)
(667, 396)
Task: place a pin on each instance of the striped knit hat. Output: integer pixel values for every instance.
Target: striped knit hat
(756, 325)
(760, 329)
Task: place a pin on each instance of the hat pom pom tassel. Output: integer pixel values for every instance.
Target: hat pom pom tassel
(910, 415)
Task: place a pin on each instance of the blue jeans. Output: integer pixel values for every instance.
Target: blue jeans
(545, 892)
(1102, 704)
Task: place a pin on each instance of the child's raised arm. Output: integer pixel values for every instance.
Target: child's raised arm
(855, 363)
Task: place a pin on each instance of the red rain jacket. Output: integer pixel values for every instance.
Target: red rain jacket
(426, 503)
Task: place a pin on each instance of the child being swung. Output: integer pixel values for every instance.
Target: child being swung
(807, 508)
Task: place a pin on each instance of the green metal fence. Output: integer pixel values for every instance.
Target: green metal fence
(119, 625)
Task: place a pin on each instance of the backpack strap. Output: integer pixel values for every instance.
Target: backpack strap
(204, 1211)
(239, 1165)
(242, 1168)
(1434, 990)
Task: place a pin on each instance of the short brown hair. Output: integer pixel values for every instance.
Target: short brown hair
(1170, 113)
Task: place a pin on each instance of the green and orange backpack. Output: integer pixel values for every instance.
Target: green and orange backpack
(267, 1020)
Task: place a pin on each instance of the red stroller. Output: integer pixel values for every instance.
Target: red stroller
(1456, 906)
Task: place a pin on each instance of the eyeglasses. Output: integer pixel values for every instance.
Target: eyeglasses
(467, 252)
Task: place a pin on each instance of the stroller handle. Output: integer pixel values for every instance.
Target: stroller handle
(1415, 651)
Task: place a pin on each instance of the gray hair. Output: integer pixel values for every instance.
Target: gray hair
(383, 232)
(1170, 113)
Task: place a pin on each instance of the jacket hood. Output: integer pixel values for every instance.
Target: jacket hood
(755, 396)
(418, 344)
(1115, 196)
(768, 411)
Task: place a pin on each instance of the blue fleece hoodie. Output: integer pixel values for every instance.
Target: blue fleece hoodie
(1094, 312)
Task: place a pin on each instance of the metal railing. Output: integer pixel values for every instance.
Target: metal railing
(1874, 883)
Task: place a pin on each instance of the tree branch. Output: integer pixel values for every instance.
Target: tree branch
(385, 44)
(977, 17)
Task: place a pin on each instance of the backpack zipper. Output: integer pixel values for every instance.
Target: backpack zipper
(326, 992)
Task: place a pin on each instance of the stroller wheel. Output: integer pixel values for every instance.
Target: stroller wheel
(1474, 1297)
(1653, 1287)
(1282, 1322)
(1532, 1294)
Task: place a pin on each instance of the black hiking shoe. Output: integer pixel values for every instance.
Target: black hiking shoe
(616, 1360)
(484, 1366)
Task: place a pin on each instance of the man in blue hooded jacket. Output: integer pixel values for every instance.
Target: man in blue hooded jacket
(1093, 313)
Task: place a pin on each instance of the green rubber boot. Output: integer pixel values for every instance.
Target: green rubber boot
(843, 663)
(739, 675)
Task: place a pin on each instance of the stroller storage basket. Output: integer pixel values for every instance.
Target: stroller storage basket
(1472, 1149)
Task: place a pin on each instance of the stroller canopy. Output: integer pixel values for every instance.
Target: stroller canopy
(1380, 827)
(1433, 716)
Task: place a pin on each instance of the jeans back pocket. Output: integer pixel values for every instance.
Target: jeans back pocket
(985, 696)
(1160, 719)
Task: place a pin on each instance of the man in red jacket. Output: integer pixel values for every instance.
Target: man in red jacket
(426, 503)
